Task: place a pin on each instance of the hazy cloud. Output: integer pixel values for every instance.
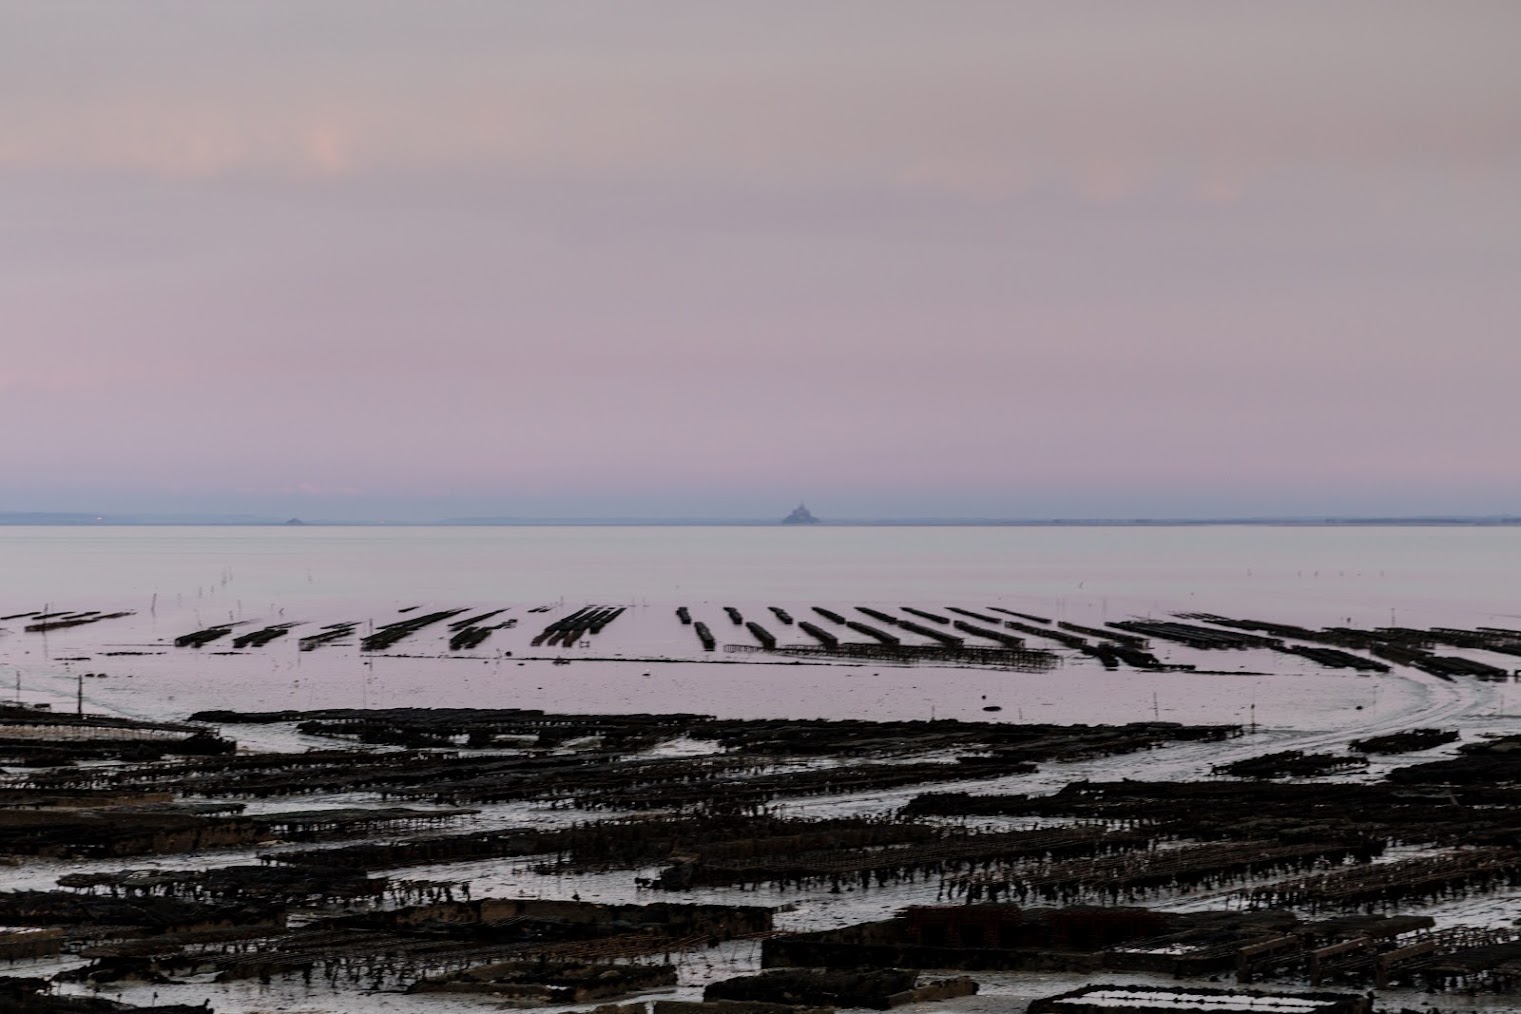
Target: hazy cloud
(954, 258)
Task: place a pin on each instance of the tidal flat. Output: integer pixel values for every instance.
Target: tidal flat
(433, 770)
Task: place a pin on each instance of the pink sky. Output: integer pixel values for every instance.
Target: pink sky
(357, 258)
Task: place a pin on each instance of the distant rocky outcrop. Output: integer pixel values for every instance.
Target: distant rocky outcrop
(801, 516)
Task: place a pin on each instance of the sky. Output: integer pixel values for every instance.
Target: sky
(949, 258)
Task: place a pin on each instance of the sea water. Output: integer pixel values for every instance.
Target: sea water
(178, 579)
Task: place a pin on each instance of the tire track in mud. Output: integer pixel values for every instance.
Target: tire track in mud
(1438, 703)
(1445, 703)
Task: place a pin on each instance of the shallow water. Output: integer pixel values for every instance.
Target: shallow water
(1456, 571)
(181, 579)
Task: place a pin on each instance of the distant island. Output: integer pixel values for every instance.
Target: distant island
(801, 516)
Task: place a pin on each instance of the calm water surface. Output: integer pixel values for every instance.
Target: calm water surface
(181, 579)
(1447, 572)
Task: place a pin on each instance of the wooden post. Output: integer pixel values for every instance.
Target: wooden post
(1319, 954)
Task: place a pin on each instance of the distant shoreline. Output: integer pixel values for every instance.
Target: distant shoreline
(17, 519)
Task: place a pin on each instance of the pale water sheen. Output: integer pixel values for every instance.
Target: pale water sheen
(179, 579)
(1466, 573)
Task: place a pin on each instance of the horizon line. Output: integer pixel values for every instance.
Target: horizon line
(172, 520)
